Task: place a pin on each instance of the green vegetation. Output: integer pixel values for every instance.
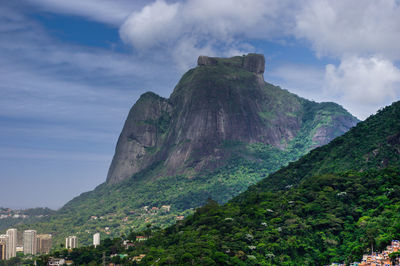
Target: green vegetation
(11, 262)
(327, 218)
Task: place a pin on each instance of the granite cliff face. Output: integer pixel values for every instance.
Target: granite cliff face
(141, 136)
(221, 100)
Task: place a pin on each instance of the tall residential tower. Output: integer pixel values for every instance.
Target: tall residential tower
(30, 242)
(44, 242)
(11, 244)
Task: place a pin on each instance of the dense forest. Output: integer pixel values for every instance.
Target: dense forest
(329, 218)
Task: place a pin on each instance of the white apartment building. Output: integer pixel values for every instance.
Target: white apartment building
(71, 242)
(30, 242)
(96, 239)
(11, 244)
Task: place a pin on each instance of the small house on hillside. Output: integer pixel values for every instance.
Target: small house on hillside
(166, 208)
(141, 238)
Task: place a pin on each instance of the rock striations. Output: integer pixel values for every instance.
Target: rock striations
(222, 99)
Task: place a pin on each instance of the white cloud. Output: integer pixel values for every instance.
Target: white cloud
(111, 12)
(363, 84)
(155, 24)
(185, 52)
(357, 27)
(227, 19)
(364, 36)
(194, 27)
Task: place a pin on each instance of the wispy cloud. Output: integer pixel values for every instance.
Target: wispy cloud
(105, 11)
(73, 81)
(67, 102)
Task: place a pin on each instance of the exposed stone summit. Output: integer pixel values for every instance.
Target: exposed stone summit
(252, 62)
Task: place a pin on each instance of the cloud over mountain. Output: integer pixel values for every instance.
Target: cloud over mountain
(218, 28)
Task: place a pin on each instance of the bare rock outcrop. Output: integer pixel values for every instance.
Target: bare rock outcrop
(206, 61)
(252, 62)
(141, 136)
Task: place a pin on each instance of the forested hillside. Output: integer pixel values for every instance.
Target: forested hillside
(329, 218)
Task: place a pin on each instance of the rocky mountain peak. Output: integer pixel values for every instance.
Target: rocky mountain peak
(252, 62)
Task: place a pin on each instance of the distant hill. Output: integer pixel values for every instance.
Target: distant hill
(222, 129)
(333, 205)
(10, 217)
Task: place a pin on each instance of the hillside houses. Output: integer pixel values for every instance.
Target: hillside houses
(380, 258)
(166, 208)
(141, 238)
(139, 258)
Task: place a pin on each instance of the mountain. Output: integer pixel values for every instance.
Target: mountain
(333, 205)
(222, 129)
(220, 100)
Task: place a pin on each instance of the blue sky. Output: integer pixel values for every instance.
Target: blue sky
(70, 70)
